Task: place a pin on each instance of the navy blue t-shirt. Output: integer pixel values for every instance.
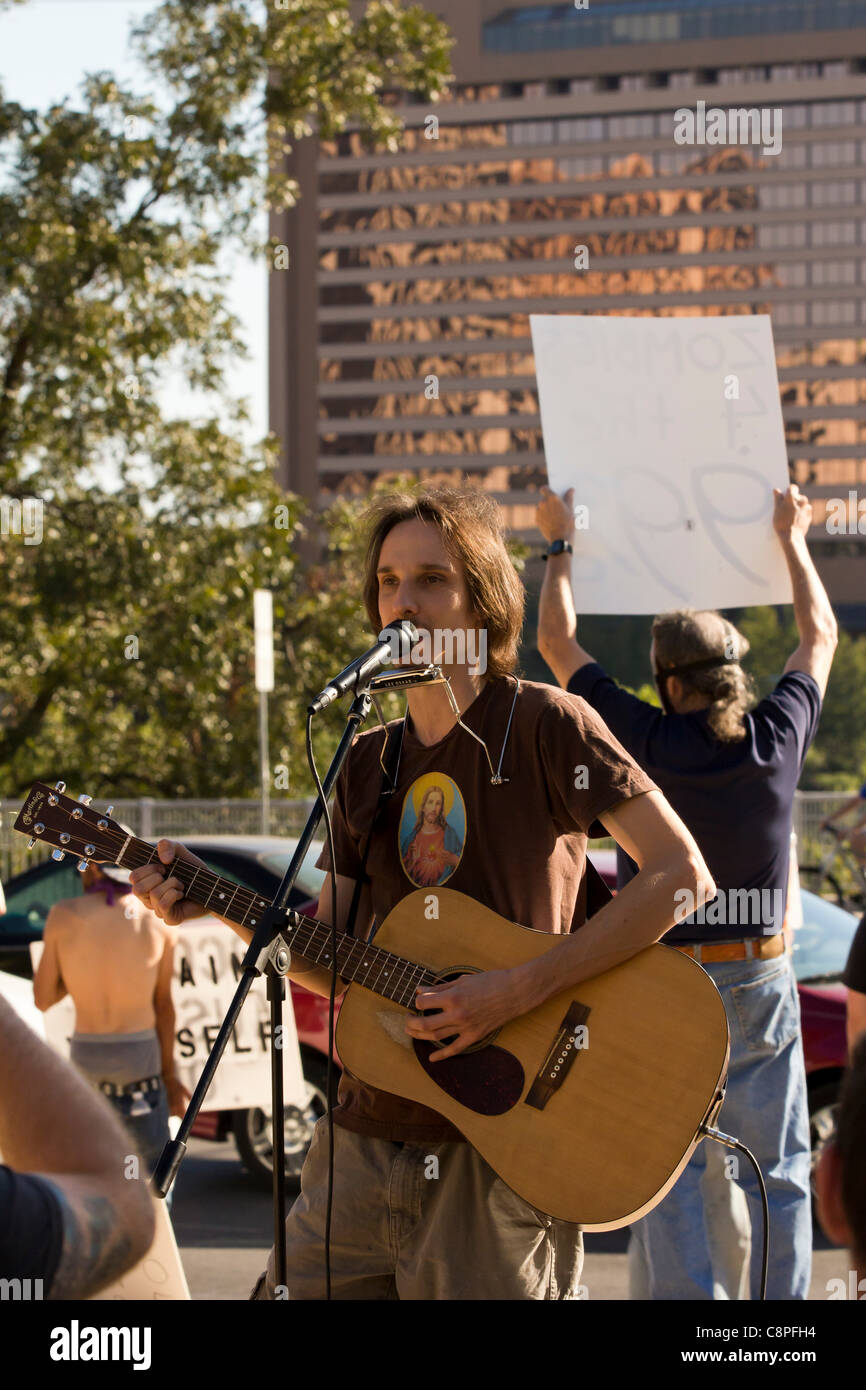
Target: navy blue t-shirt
(735, 798)
(31, 1230)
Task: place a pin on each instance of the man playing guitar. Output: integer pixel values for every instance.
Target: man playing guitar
(405, 1226)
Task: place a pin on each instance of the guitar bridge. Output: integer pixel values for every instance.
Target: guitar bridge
(560, 1057)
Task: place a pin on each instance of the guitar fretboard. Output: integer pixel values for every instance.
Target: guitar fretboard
(358, 962)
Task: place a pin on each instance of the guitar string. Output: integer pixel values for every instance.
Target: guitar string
(401, 988)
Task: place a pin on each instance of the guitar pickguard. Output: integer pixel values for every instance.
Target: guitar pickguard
(393, 1022)
(489, 1081)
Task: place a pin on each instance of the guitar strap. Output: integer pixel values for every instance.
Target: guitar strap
(386, 791)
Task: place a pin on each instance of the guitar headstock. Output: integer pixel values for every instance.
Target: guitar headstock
(73, 827)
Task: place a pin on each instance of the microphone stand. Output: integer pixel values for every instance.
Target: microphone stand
(267, 953)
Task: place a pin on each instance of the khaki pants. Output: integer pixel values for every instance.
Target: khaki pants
(419, 1221)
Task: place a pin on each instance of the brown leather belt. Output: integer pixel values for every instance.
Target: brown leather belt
(754, 948)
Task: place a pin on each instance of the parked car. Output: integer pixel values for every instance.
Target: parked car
(257, 862)
(821, 947)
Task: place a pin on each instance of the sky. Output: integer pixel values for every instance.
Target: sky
(46, 47)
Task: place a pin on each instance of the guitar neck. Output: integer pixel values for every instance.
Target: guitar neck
(357, 961)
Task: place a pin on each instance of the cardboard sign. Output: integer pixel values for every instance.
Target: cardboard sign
(207, 965)
(670, 431)
(159, 1275)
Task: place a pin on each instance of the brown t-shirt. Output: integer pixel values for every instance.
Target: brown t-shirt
(519, 848)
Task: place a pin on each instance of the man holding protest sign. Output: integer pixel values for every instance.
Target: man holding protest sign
(731, 775)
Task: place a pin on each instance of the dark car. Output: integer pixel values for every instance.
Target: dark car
(257, 862)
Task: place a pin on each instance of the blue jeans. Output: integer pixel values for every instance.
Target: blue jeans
(766, 1108)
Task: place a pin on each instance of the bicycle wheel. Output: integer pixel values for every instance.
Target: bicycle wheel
(818, 881)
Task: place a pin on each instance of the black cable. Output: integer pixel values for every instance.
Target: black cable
(331, 1002)
(730, 1143)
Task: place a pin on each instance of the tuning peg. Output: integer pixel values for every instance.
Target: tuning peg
(58, 854)
(109, 810)
(85, 799)
(81, 865)
(30, 843)
(60, 786)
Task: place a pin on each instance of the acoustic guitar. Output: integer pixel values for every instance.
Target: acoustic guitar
(588, 1107)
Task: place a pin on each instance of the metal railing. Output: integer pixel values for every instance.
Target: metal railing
(150, 819)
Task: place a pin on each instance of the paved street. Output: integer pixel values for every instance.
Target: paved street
(223, 1226)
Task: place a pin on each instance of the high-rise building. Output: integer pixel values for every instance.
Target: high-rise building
(400, 333)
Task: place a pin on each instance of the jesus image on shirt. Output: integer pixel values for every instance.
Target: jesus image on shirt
(430, 846)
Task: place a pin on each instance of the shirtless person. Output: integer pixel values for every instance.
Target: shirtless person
(114, 958)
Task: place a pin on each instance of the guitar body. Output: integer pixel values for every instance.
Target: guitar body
(589, 1106)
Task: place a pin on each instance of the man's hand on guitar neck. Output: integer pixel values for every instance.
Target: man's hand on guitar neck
(165, 896)
(162, 895)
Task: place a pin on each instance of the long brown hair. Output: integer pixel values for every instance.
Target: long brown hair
(470, 524)
(687, 635)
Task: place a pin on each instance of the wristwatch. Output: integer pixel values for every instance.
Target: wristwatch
(560, 547)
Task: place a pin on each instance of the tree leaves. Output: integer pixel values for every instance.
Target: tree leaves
(126, 646)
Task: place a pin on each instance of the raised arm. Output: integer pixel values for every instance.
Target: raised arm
(557, 620)
(816, 622)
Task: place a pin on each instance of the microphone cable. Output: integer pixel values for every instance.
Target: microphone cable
(729, 1142)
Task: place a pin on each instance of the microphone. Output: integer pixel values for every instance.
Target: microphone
(400, 636)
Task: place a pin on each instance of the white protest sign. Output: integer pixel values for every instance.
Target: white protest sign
(207, 965)
(670, 431)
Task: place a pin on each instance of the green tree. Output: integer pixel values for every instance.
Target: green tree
(125, 643)
(837, 758)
